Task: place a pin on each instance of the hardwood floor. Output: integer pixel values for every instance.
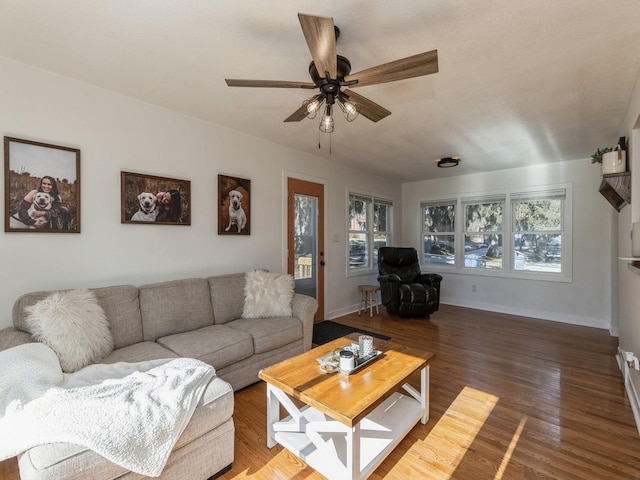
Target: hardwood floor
(511, 398)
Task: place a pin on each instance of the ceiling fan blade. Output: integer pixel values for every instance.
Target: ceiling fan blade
(298, 115)
(234, 82)
(321, 39)
(409, 67)
(367, 108)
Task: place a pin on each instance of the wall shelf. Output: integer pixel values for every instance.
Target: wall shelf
(616, 188)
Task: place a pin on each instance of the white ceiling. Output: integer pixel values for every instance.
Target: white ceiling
(520, 82)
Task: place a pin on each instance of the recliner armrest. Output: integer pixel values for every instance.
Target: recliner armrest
(390, 278)
(428, 278)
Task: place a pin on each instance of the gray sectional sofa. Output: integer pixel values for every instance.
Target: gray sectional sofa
(198, 318)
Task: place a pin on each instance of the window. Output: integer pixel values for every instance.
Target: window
(483, 232)
(523, 234)
(438, 232)
(538, 231)
(369, 229)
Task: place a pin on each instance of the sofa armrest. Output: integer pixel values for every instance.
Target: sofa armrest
(10, 337)
(304, 309)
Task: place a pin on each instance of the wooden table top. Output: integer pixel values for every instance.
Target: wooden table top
(346, 398)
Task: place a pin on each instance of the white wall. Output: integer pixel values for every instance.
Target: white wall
(116, 133)
(584, 301)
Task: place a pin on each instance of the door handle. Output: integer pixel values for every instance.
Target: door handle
(322, 263)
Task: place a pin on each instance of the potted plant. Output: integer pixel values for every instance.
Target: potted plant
(611, 159)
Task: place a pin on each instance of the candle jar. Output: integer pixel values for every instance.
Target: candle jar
(347, 361)
(365, 345)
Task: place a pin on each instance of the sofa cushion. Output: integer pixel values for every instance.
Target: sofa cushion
(269, 333)
(140, 352)
(74, 325)
(215, 408)
(217, 345)
(227, 296)
(267, 294)
(175, 307)
(121, 305)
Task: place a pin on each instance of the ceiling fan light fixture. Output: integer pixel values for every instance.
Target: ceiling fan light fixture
(448, 162)
(326, 124)
(312, 105)
(350, 109)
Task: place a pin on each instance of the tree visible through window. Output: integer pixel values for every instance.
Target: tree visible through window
(483, 233)
(369, 228)
(538, 231)
(438, 233)
(535, 243)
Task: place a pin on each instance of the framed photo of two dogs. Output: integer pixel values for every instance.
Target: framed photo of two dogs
(42, 193)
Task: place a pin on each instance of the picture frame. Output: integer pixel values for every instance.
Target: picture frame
(234, 205)
(42, 187)
(153, 200)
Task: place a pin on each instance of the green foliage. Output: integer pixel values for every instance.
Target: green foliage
(597, 157)
(541, 215)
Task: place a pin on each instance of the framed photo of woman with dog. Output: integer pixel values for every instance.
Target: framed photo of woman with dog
(148, 199)
(234, 207)
(42, 187)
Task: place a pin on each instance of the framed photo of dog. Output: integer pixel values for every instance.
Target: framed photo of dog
(234, 206)
(41, 187)
(148, 199)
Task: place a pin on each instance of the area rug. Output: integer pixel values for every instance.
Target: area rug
(327, 330)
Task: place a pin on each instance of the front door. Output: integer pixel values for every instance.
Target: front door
(305, 239)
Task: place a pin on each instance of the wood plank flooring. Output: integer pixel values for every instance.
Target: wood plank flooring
(511, 398)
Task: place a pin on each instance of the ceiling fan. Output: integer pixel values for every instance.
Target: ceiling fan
(331, 72)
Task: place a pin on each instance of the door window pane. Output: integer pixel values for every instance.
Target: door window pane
(305, 255)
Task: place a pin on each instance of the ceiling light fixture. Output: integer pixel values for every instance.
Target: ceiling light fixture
(312, 105)
(326, 124)
(447, 162)
(350, 109)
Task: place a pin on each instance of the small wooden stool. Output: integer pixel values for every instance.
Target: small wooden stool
(368, 297)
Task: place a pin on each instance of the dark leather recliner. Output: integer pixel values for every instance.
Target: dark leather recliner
(405, 291)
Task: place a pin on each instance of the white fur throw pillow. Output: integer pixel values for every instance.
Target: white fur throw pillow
(74, 325)
(267, 294)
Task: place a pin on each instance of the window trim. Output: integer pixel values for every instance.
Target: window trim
(372, 199)
(508, 269)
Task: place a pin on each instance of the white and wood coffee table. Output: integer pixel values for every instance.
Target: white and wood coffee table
(348, 423)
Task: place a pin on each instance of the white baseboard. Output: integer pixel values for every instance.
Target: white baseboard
(341, 311)
(522, 312)
(631, 385)
(527, 312)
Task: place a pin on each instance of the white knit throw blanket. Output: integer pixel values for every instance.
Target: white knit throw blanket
(130, 413)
